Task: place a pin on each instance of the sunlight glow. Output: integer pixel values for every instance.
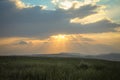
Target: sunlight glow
(58, 43)
(59, 37)
(92, 43)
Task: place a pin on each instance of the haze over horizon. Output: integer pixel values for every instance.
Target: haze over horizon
(55, 26)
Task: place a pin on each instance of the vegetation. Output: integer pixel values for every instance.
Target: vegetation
(41, 68)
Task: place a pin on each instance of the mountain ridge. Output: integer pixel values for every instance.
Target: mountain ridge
(110, 56)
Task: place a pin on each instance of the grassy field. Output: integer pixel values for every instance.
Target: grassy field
(40, 68)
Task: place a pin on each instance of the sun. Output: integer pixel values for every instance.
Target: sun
(60, 37)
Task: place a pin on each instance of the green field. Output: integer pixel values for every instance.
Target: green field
(41, 68)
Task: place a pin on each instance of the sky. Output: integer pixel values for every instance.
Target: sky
(54, 26)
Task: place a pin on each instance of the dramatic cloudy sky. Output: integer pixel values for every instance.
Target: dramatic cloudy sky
(54, 26)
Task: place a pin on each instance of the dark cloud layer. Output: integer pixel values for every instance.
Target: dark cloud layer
(31, 22)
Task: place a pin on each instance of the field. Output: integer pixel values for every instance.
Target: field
(41, 68)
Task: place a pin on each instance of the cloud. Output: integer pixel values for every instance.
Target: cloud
(72, 4)
(33, 22)
(85, 11)
(112, 9)
(92, 18)
(113, 13)
(21, 42)
(89, 19)
(43, 7)
(20, 5)
(92, 43)
(117, 29)
(28, 29)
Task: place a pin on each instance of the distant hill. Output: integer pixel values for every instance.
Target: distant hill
(111, 56)
(60, 55)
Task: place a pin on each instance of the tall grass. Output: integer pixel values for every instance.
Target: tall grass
(38, 68)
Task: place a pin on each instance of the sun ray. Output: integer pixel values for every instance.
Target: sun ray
(58, 43)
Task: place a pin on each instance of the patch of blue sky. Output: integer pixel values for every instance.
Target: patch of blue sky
(47, 3)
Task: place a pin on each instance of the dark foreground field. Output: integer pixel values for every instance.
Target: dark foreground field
(38, 68)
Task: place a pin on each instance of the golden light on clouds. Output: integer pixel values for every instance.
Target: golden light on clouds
(82, 43)
(89, 19)
(117, 29)
(65, 5)
(60, 37)
(43, 7)
(72, 4)
(93, 18)
(58, 43)
(20, 5)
